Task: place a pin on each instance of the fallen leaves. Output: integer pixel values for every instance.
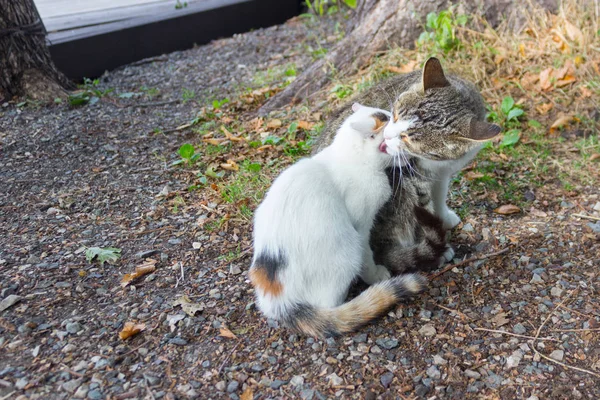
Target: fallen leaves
(551, 78)
(188, 306)
(147, 267)
(561, 122)
(472, 175)
(247, 394)
(274, 124)
(108, 254)
(224, 332)
(131, 329)
(507, 209)
(500, 320)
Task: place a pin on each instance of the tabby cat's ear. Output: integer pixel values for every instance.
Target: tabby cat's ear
(480, 130)
(433, 75)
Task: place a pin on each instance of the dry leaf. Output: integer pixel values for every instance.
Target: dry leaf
(595, 156)
(214, 142)
(544, 108)
(573, 32)
(187, 306)
(274, 124)
(507, 209)
(568, 79)
(230, 136)
(230, 166)
(545, 76)
(585, 92)
(131, 329)
(562, 121)
(143, 269)
(471, 175)
(305, 125)
(227, 333)
(529, 80)
(500, 319)
(537, 213)
(404, 69)
(247, 395)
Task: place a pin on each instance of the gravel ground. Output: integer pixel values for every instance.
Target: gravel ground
(97, 176)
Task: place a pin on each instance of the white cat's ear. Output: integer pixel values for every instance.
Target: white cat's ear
(433, 75)
(364, 126)
(480, 130)
(356, 107)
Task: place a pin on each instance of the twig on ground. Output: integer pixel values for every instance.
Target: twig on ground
(149, 390)
(156, 103)
(228, 357)
(587, 217)
(468, 260)
(537, 334)
(8, 396)
(460, 314)
(577, 330)
(515, 334)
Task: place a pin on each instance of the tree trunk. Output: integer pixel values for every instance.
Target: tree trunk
(25, 64)
(375, 26)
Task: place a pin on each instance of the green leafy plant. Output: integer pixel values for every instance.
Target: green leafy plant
(440, 30)
(219, 103)
(188, 155)
(188, 95)
(102, 255)
(510, 138)
(322, 7)
(89, 93)
(342, 91)
(510, 110)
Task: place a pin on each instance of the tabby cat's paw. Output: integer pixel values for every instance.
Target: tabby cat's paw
(451, 220)
(448, 254)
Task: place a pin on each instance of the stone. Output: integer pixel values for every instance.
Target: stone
(386, 379)
(556, 292)
(82, 391)
(469, 373)
(21, 383)
(514, 359)
(519, 329)
(427, 330)
(335, 379)
(73, 327)
(276, 384)
(235, 269)
(232, 386)
(95, 394)
(72, 385)
(557, 355)
(178, 341)
(307, 394)
(467, 228)
(536, 279)
(9, 301)
(220, 386)
(387, 343)
(297, 380)
(439, 360)
(433, 372)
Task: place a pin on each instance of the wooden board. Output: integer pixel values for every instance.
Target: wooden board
(63, 15)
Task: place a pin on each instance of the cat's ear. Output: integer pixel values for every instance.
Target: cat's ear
(433, 75)
(356, 107)
(480, 130)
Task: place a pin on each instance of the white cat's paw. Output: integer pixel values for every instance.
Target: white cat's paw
(451, 220)
(376, 274)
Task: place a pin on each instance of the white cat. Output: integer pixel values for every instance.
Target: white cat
(311, 235)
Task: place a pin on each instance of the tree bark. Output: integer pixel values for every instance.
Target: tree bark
(25, 64)
(375, 26)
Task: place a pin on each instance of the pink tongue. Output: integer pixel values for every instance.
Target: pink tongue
(382, 147)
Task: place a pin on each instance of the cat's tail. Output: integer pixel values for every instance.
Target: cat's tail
(370, 304)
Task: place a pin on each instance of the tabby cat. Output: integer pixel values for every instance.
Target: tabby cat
(437, 127)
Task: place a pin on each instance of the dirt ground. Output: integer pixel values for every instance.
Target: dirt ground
(521, 324)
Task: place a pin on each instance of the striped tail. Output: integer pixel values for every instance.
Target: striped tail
(370, 304)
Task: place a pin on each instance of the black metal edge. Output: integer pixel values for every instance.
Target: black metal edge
(106, 47)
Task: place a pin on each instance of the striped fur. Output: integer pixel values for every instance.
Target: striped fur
(348, 317)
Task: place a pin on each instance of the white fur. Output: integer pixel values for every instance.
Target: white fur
(319, 213)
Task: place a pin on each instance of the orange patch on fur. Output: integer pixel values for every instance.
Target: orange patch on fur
(379, 124)
(260, 280)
